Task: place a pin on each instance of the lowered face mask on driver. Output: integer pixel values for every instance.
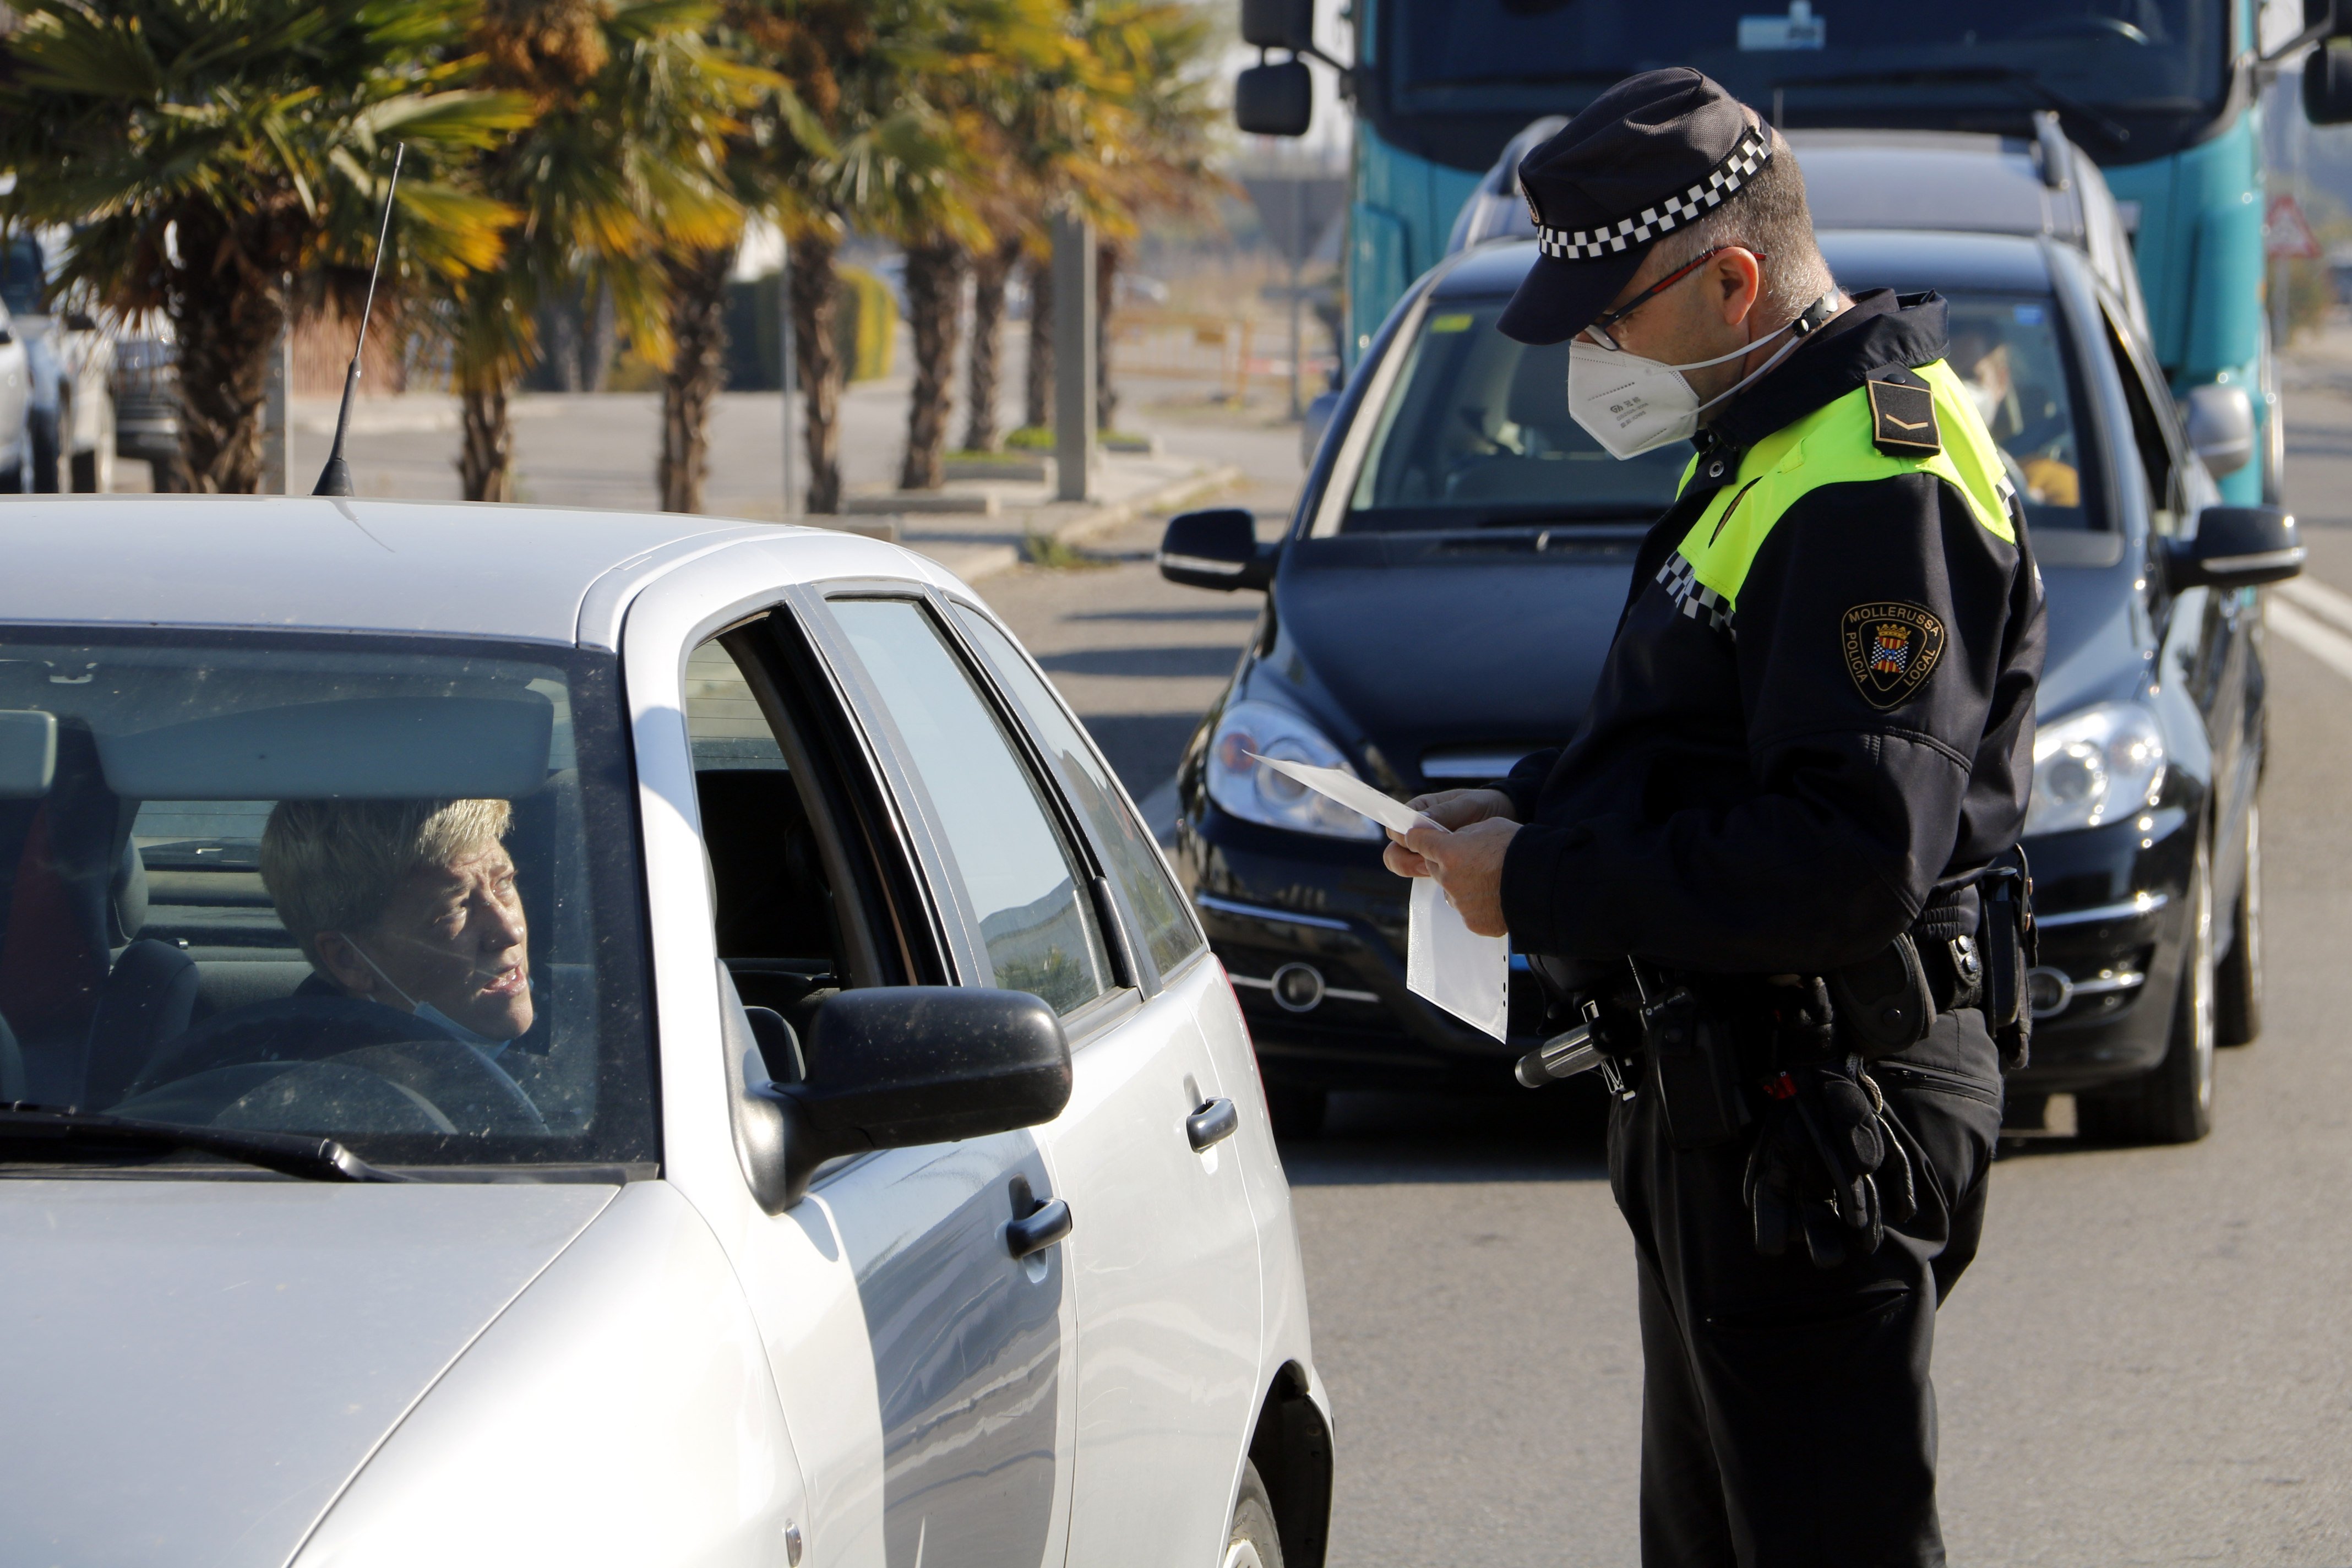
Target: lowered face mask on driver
(432, 1014)
(1632, 405)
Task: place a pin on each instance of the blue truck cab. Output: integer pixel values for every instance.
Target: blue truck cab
(2163, 95)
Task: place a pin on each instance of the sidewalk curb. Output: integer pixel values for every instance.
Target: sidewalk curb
(973, 562)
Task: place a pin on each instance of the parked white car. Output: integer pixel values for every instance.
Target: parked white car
(604, 1039)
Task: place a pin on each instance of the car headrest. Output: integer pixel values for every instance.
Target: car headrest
(126, 908)
(1540, 391)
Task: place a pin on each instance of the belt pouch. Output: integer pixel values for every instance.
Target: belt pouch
(1694, 1070)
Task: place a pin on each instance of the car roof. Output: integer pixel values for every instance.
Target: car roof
(1928, 179)
(438, 568)
(1861, 259)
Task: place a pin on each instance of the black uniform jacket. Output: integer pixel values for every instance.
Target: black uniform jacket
(1735, 803)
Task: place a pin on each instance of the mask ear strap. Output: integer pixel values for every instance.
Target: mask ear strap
(1818, 311)
(380, 974)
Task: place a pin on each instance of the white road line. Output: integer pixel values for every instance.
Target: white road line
(2324, 644)
(2310, 593)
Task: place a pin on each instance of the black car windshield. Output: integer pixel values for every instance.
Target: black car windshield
(1475, 431)
(379, 891)
(1834, 61)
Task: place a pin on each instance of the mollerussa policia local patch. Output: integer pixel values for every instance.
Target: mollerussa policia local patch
(1891, 649)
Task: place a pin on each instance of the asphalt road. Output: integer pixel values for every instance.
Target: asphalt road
(2151, 1360)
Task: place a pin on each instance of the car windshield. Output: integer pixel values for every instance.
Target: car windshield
(2144, 62)
(379, 891)
(1477, 434)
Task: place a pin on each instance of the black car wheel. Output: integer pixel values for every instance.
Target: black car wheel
(2238, 980)
(1252, 1542)
(2174, 1104)
(1297, 1113)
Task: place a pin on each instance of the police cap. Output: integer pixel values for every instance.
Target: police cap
(1654, 153)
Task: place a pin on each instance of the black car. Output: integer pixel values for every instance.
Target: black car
(1450, 581)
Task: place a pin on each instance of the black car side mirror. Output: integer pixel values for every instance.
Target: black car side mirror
(892, 1066)
(1215, 549)
(80, 321)
(2235, 547)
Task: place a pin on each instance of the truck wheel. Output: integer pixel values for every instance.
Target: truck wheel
(1251, 1540)
(2238, 981)
(2174, 1104)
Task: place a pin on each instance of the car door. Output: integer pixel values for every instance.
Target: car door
(813, 892)
(2209, 640)
(1165, 1258)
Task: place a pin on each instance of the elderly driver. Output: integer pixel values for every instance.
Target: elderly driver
(411, 904)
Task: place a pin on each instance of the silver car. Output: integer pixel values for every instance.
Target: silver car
(546, 1036)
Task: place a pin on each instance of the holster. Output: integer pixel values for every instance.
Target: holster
(2011, 950)
(1694, 1070)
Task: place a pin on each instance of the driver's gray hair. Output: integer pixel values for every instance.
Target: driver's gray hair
(334, 865)
(1770, 218)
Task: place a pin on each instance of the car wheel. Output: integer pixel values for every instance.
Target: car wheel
(2238, 981)
(1297, 1113)
(2174, 1104)
(1251, 1540)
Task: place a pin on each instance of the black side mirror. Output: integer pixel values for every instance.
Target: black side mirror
(1278, 23)
(2327, 85)
(890, 1067)
(2235, 547)
(1215, 549)
(1275, 99)
(80, 321)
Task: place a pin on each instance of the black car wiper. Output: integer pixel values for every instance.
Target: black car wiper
(25, 1127)
(2013, 76)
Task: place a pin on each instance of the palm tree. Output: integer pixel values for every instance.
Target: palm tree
(618, 160)
(225, 162)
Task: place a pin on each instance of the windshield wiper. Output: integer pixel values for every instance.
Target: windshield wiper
(2015, 76)
(24, 1128)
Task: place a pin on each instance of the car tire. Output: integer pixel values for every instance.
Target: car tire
(1297, 1113)
(2238, 979)
(2174, 1104)
(1251, 1540)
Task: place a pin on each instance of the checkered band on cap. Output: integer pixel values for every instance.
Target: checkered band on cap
(1592, 244)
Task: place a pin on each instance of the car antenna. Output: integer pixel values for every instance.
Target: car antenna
(335, 478)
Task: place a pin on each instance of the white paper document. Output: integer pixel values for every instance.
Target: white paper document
(1445, 962)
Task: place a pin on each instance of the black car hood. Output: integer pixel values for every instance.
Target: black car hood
(1415, 643)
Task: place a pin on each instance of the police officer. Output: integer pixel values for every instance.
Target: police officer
(1769, 869)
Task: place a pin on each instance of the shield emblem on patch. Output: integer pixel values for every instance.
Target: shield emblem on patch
(1891, 649)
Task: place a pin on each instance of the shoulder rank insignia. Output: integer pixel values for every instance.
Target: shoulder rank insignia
(1903, 413)
(1890, 649)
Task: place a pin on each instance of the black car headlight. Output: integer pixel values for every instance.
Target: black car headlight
(2096, 766)
(1256, 793)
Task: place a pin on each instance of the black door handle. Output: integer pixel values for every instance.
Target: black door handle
(1049, 1223)
(1213, 1123)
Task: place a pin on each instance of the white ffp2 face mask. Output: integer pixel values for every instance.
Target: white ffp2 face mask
(1632, 405)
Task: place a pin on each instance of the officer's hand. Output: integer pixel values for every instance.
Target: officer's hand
(1449, 808)
(1468, 864)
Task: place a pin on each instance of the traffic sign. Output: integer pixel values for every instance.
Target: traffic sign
(2286, 232)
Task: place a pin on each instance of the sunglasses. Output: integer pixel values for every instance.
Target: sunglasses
(1607, 319)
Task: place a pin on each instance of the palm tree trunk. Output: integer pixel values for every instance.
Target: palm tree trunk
(486, 460)
(697, 324)
(1037, 411)
(1106, 260)
(935, 313)
(814, 288)
(226, 325)
(990, 270)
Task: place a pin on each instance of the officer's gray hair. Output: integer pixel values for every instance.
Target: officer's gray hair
(1770, 219)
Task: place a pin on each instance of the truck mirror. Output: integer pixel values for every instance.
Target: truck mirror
(1282, 24)
(1279, 100)
(2220, 421)
(2327, 85)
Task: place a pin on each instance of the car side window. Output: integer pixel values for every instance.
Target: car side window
(2150, 435)
(1022, 885)
(1169, 931)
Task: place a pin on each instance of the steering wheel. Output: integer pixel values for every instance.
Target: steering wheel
(454, 1085)
(2086, 27)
